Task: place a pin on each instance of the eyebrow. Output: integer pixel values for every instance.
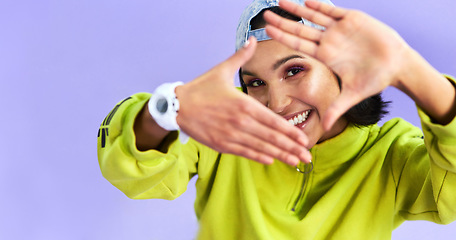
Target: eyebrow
(277, 64)
(284, 60)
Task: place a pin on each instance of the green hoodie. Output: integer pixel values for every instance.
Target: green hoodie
(365, 182)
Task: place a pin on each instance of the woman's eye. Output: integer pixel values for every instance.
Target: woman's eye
(255, 83)
(293, 71)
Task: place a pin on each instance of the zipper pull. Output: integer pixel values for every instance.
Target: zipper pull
(305, 168)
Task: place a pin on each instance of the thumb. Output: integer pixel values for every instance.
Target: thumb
(242, 56)
(341, 104)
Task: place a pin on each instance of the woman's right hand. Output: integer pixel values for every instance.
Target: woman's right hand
(214, 113)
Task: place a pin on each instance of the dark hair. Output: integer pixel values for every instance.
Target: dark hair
(369, 111)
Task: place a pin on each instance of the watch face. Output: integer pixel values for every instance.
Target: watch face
(162, 105)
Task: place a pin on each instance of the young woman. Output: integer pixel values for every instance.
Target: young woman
(312, 104)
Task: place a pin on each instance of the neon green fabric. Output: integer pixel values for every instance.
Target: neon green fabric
(365, 181)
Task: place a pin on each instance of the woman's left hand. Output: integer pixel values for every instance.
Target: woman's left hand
(365, 53)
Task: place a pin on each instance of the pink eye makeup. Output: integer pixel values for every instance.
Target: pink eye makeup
(292, 71)
(255, 83)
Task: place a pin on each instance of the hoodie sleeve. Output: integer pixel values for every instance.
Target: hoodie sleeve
(143, 174)
(426, 187)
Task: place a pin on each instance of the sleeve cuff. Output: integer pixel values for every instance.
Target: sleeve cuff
(446, 133)
(129, 137)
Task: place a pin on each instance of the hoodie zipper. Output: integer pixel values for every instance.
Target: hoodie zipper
(305, 169)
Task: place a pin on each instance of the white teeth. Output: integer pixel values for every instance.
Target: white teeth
(300, 118)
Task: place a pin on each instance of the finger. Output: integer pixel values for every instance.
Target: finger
(294, 42)
(267, 148)
(276, 130)
(341, 104)
(292, 27)
(273, 121)
(241, 56)
(307, 13)
(334, 12)
(240, 150)
(273, 142)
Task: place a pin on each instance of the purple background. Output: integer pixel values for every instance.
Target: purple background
(65, 64)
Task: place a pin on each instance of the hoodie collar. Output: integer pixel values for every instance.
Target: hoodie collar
(341, 148)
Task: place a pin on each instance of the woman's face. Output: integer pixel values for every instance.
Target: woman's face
(293, 85)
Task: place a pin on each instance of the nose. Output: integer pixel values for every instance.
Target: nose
(278, 99)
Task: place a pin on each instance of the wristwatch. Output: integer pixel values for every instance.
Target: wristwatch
(164, 107)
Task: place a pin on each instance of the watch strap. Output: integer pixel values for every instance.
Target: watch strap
(164, 107)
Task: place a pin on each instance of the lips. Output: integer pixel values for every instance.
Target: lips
(299, 118)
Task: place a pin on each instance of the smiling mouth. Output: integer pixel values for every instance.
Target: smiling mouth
(300, 118)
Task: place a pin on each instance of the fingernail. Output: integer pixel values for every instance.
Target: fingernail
(293, 161)
(269, 160)
(303, 141)
(246, 44)
(306, 157)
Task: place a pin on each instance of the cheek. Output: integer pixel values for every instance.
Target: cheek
(260, 96)
(331, 86)
(319, 90)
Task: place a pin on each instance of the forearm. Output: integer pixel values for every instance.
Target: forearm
(430, 90)
(148, 133)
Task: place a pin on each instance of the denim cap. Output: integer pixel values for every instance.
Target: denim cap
(244, 31)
